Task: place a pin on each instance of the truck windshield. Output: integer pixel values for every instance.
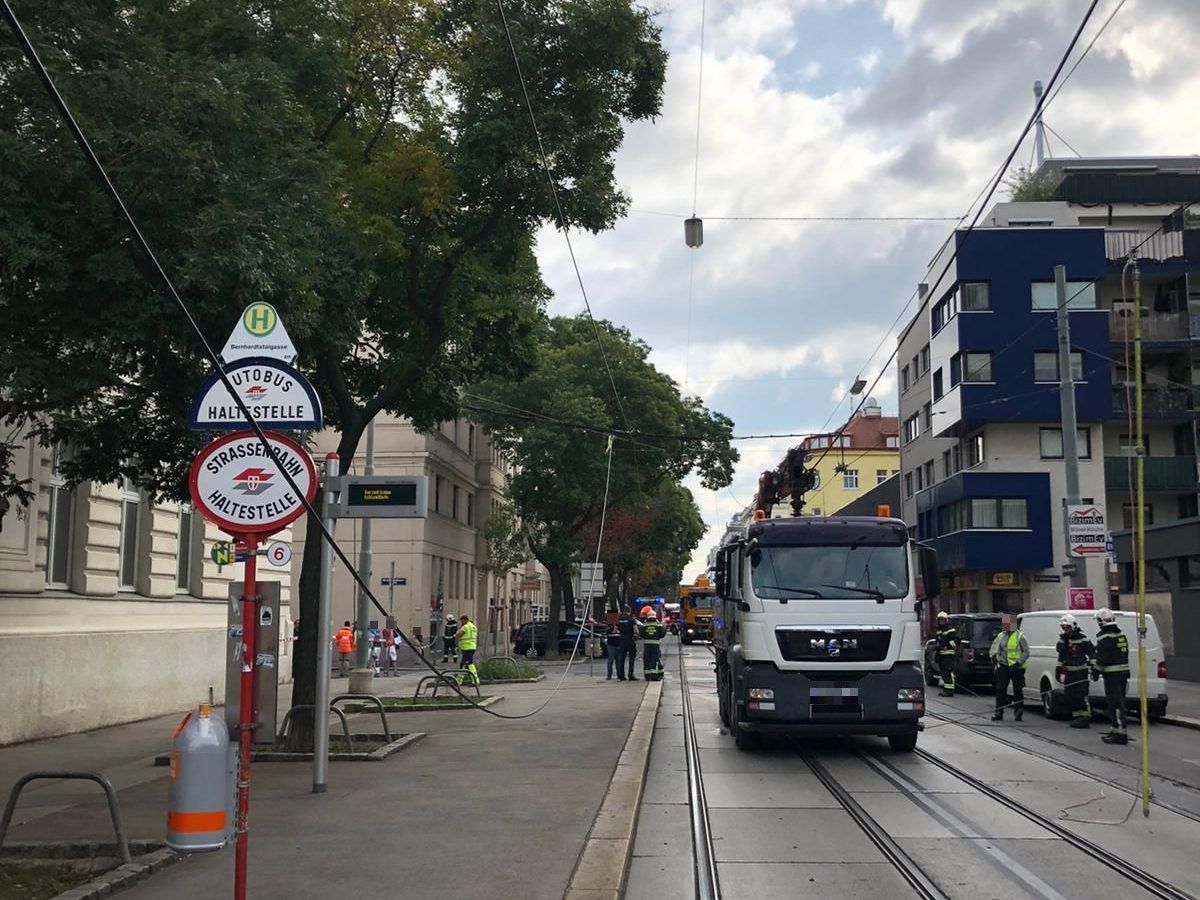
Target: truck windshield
(816, 571)
(700, 601)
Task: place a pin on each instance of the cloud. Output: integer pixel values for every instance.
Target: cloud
(869, 60)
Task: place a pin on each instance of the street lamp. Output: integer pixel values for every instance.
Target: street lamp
(693, 232)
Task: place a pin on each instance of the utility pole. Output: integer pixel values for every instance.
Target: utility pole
(362, 656)
(324, 633)
(1139, 545)
(1066, 399)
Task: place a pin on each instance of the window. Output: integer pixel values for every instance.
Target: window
(471, 439)
(984, 513)
(943, 312)
(470, 509)
(1127, 514)
(1189, 571)
(956, 457)
(929, 473)
(454, 503)
(974, 445)
(916, 367)
(927, 417)
(920, 473)
(437, 493)
(1045, 366)
(881, 475)
(976, 296)
(937, 385)
(908, 490)
(987, 512)
(893, 440)
(904, 380)
(131, 505)
(947, 469)
(183, 550)
(850, 479)
(58, 538)
(970, 367)
(1080, 295)
(1014, 512)
(895, 472)
(924, 359)
(911, 429)
(1051, 442)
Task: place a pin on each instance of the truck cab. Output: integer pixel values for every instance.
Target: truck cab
(818, 631)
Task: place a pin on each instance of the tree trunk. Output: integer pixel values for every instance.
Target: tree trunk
(555, 613)
(568, 590)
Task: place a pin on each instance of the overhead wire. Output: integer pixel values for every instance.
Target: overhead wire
(687, 346)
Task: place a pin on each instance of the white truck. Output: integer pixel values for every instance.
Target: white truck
(818, 631)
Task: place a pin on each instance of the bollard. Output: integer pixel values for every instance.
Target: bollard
(198, 797)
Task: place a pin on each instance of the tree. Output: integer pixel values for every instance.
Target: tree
(505, 538)
(556, 423)
(1027, 186)
(365, 165)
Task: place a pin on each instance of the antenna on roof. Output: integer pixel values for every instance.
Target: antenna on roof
(1039, 130)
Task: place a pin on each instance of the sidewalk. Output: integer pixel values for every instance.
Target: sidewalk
(480, 808)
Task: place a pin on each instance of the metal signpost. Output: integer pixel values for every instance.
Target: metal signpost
(236, 483)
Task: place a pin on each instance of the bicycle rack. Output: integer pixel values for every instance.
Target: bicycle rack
(109, 794)
(510, 659)
(287, 719)
(387, 734)
(454, 679)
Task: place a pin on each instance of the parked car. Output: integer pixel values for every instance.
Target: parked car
(1042, 687)
(972, 665)
(568, 636)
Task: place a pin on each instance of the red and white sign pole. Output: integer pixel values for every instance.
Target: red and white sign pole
(246, 713)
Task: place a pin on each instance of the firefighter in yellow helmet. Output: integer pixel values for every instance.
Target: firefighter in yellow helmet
(468, 639)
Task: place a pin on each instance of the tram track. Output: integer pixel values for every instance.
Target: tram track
(707, 882)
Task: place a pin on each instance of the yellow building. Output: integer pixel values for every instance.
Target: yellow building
(866, 454)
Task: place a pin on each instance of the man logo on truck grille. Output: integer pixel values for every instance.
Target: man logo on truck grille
(252, 482)
(832, 647)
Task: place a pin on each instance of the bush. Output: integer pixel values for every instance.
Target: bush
(497, 669)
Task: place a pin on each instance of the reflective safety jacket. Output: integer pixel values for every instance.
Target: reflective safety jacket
(345, 640)
(469, 637)
(1112, 650)
(652, 632)
(1010, 650)
(450, 630)
(947, 640)
(1074, 650)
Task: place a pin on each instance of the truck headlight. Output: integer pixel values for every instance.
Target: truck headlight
(910, 694)
(762, 694)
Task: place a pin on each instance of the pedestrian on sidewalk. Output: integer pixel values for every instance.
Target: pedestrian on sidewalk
(466, 639)
(947, 652)
(1112, 664)
(652, 634)
(1009, 653)
(1075, 654)
(389, 650)
(612, 647)
(627, 627)
(449, 640)
(344, 641)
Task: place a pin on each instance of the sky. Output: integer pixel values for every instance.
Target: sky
(842, 108)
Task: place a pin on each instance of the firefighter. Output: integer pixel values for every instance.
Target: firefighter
(449, 646)
(652, 633)
(947, 647)
(1009, 652)
(344, 639)
(1074, 660)
(1112, 664)
(467, 637)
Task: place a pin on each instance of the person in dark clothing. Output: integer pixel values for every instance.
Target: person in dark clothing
(652, 634)
(449, 642)
(627, 627)
(1112, 664)
(947, 652)
(1075, 653)
(612, 641)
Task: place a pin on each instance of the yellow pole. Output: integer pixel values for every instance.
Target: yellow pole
(1140, 541)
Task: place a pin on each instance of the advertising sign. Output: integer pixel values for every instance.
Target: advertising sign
(1081, 598)
(276, 394)
(259, 332)
(238, 487)
(1087, 534)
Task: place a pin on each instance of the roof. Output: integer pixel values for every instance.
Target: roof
(864, 432)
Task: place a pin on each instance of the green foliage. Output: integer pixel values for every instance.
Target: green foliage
(507, 547)
(496, 669)
(1027, 186)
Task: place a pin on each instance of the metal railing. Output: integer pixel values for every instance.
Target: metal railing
(1162, 473)
(370, 698)
(105, 785)
(287, 719)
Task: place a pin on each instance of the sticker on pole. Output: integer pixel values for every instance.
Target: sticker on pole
(238, 487)
(259, 332)
(1087, 534)
(276, 394)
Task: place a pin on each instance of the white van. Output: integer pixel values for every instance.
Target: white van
(1042, 631)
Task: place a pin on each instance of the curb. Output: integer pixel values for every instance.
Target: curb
(428, 707)
(604, 860)
(122, 876)
(400, 743)
(1181, 722)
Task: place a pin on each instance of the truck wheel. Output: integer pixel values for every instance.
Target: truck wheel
(1052, 704)
(903, 743)
(744, 740)
(722, 700)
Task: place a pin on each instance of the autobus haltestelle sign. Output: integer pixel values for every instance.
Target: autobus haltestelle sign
(236, 484)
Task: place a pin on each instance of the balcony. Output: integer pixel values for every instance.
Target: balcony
(1171, 474)
(1146, 245)
(1157, 402)
(1155, 326)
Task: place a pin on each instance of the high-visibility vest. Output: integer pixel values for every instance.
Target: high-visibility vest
(1010, 651)
(345, 640)
(469, 637)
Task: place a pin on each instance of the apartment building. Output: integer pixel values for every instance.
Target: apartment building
(982, 471)
(847, 466)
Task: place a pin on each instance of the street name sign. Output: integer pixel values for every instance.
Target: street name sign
(276, 394)
(398, 581)
(382, 496)
(259, 332)
(237, 486)
(1087, 534)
